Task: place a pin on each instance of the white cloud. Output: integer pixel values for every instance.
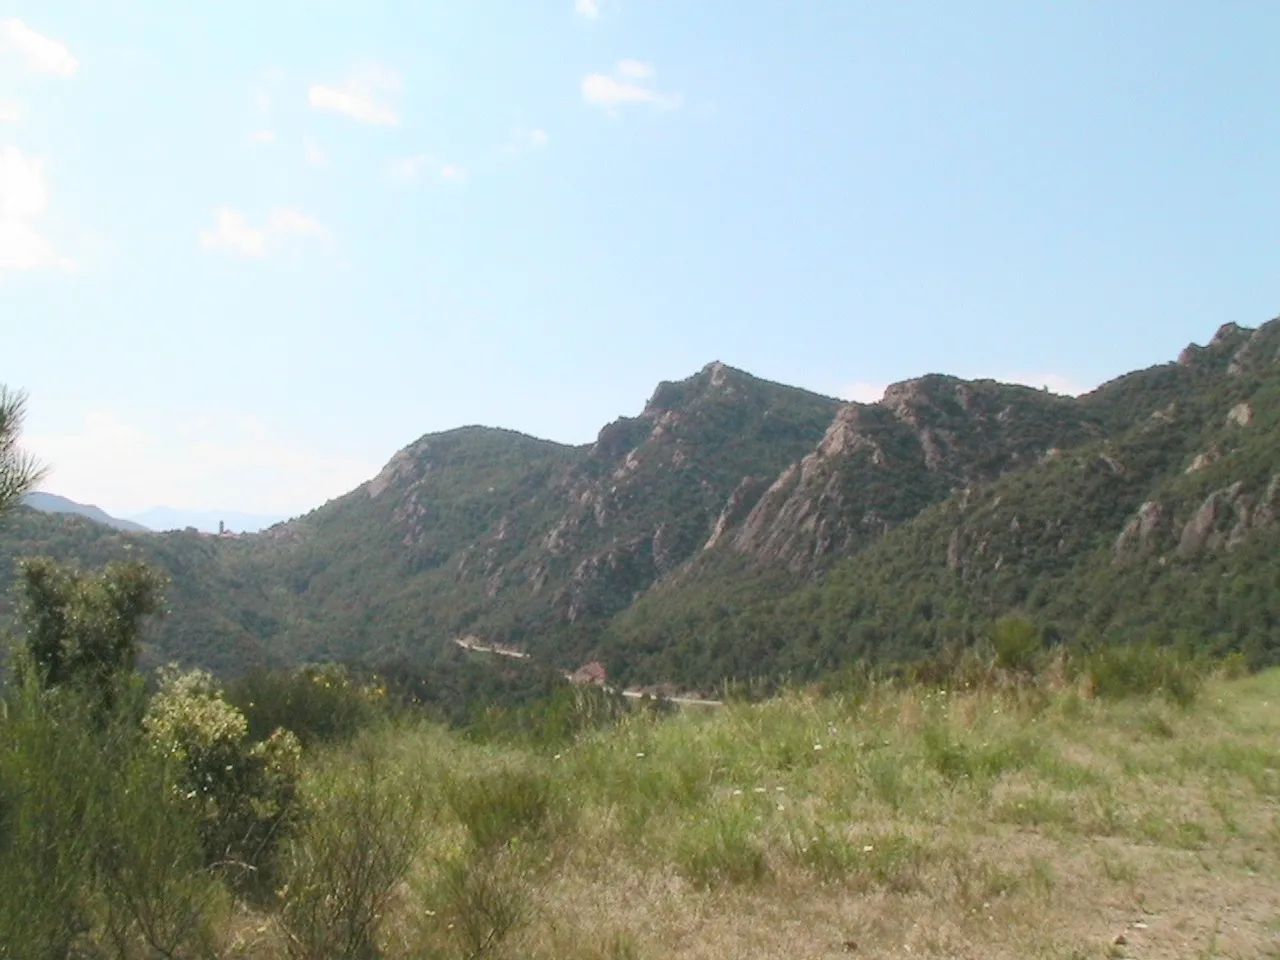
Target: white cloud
(40, 53)
(524, 140)
(862, 392)
(314, 155)
(263, 136)
(289, 220)
(358, 97)
(410, 169)
(213, 462)
(626, 86)
(24, 196)
(233, 233)
(635, 69)
(10, 112)
(587, 8)
(23, 193)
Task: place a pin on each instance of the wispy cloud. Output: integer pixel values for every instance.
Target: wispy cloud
(263, 136)
(24, 197)
(412, 169)
(524, 140)
(10, 112)
(315, 156)
(587, 8)
(232, 232)
(38, 53)
(360, 97)
(625, 86)
(635, 69)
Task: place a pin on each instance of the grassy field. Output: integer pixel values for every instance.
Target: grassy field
(1026, 822)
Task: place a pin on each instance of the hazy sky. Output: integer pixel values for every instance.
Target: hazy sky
(250, 249)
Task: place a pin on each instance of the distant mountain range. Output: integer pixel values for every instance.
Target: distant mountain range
(157, 518)
(168, 518)
(738, 528)
(52, 503)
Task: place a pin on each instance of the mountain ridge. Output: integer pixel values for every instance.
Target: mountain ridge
(689, 540)
(53, 503)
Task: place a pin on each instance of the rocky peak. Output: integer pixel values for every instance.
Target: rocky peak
(908, 399)
(401, 466)
(1218, 354)
(1259, 350)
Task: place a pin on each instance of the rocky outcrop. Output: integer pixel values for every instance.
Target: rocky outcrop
(1140, 536)
(1211, 525)
(879, 463)
(1204, 459)
(1241, 415)
(605, 582)
(402, 465)
(1260, 350)
(744, 497)
(800, 517)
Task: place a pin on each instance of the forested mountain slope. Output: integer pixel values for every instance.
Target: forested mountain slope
(739, 527)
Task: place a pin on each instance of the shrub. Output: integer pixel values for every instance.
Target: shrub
(242, 791)
(1124, 670)
(352, 849)
(49, 767)
(503, 805)
(157, 898)
(479, 901)
(82, 629)
(721, 849)
(1016, 642)
(95, 850)
(318, 704)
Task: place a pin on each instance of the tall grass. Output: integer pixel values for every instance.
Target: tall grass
(987, 801)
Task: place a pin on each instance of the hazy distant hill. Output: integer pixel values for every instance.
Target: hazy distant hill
(168, 518)
(52, 503)
(738, 527)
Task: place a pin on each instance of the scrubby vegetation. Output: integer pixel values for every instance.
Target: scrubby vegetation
(1011, 801)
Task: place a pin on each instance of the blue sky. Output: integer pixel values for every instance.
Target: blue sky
(248, 250)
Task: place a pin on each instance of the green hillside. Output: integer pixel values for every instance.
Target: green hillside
(738, 528)
(1165, 530)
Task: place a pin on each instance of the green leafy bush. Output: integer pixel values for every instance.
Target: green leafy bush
(318, 704)
(1016, 642)
(241, 790)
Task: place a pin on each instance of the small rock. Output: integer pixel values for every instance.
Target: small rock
(1120, 941)
(851, 945)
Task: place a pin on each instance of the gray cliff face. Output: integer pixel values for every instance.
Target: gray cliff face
(879, 464)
